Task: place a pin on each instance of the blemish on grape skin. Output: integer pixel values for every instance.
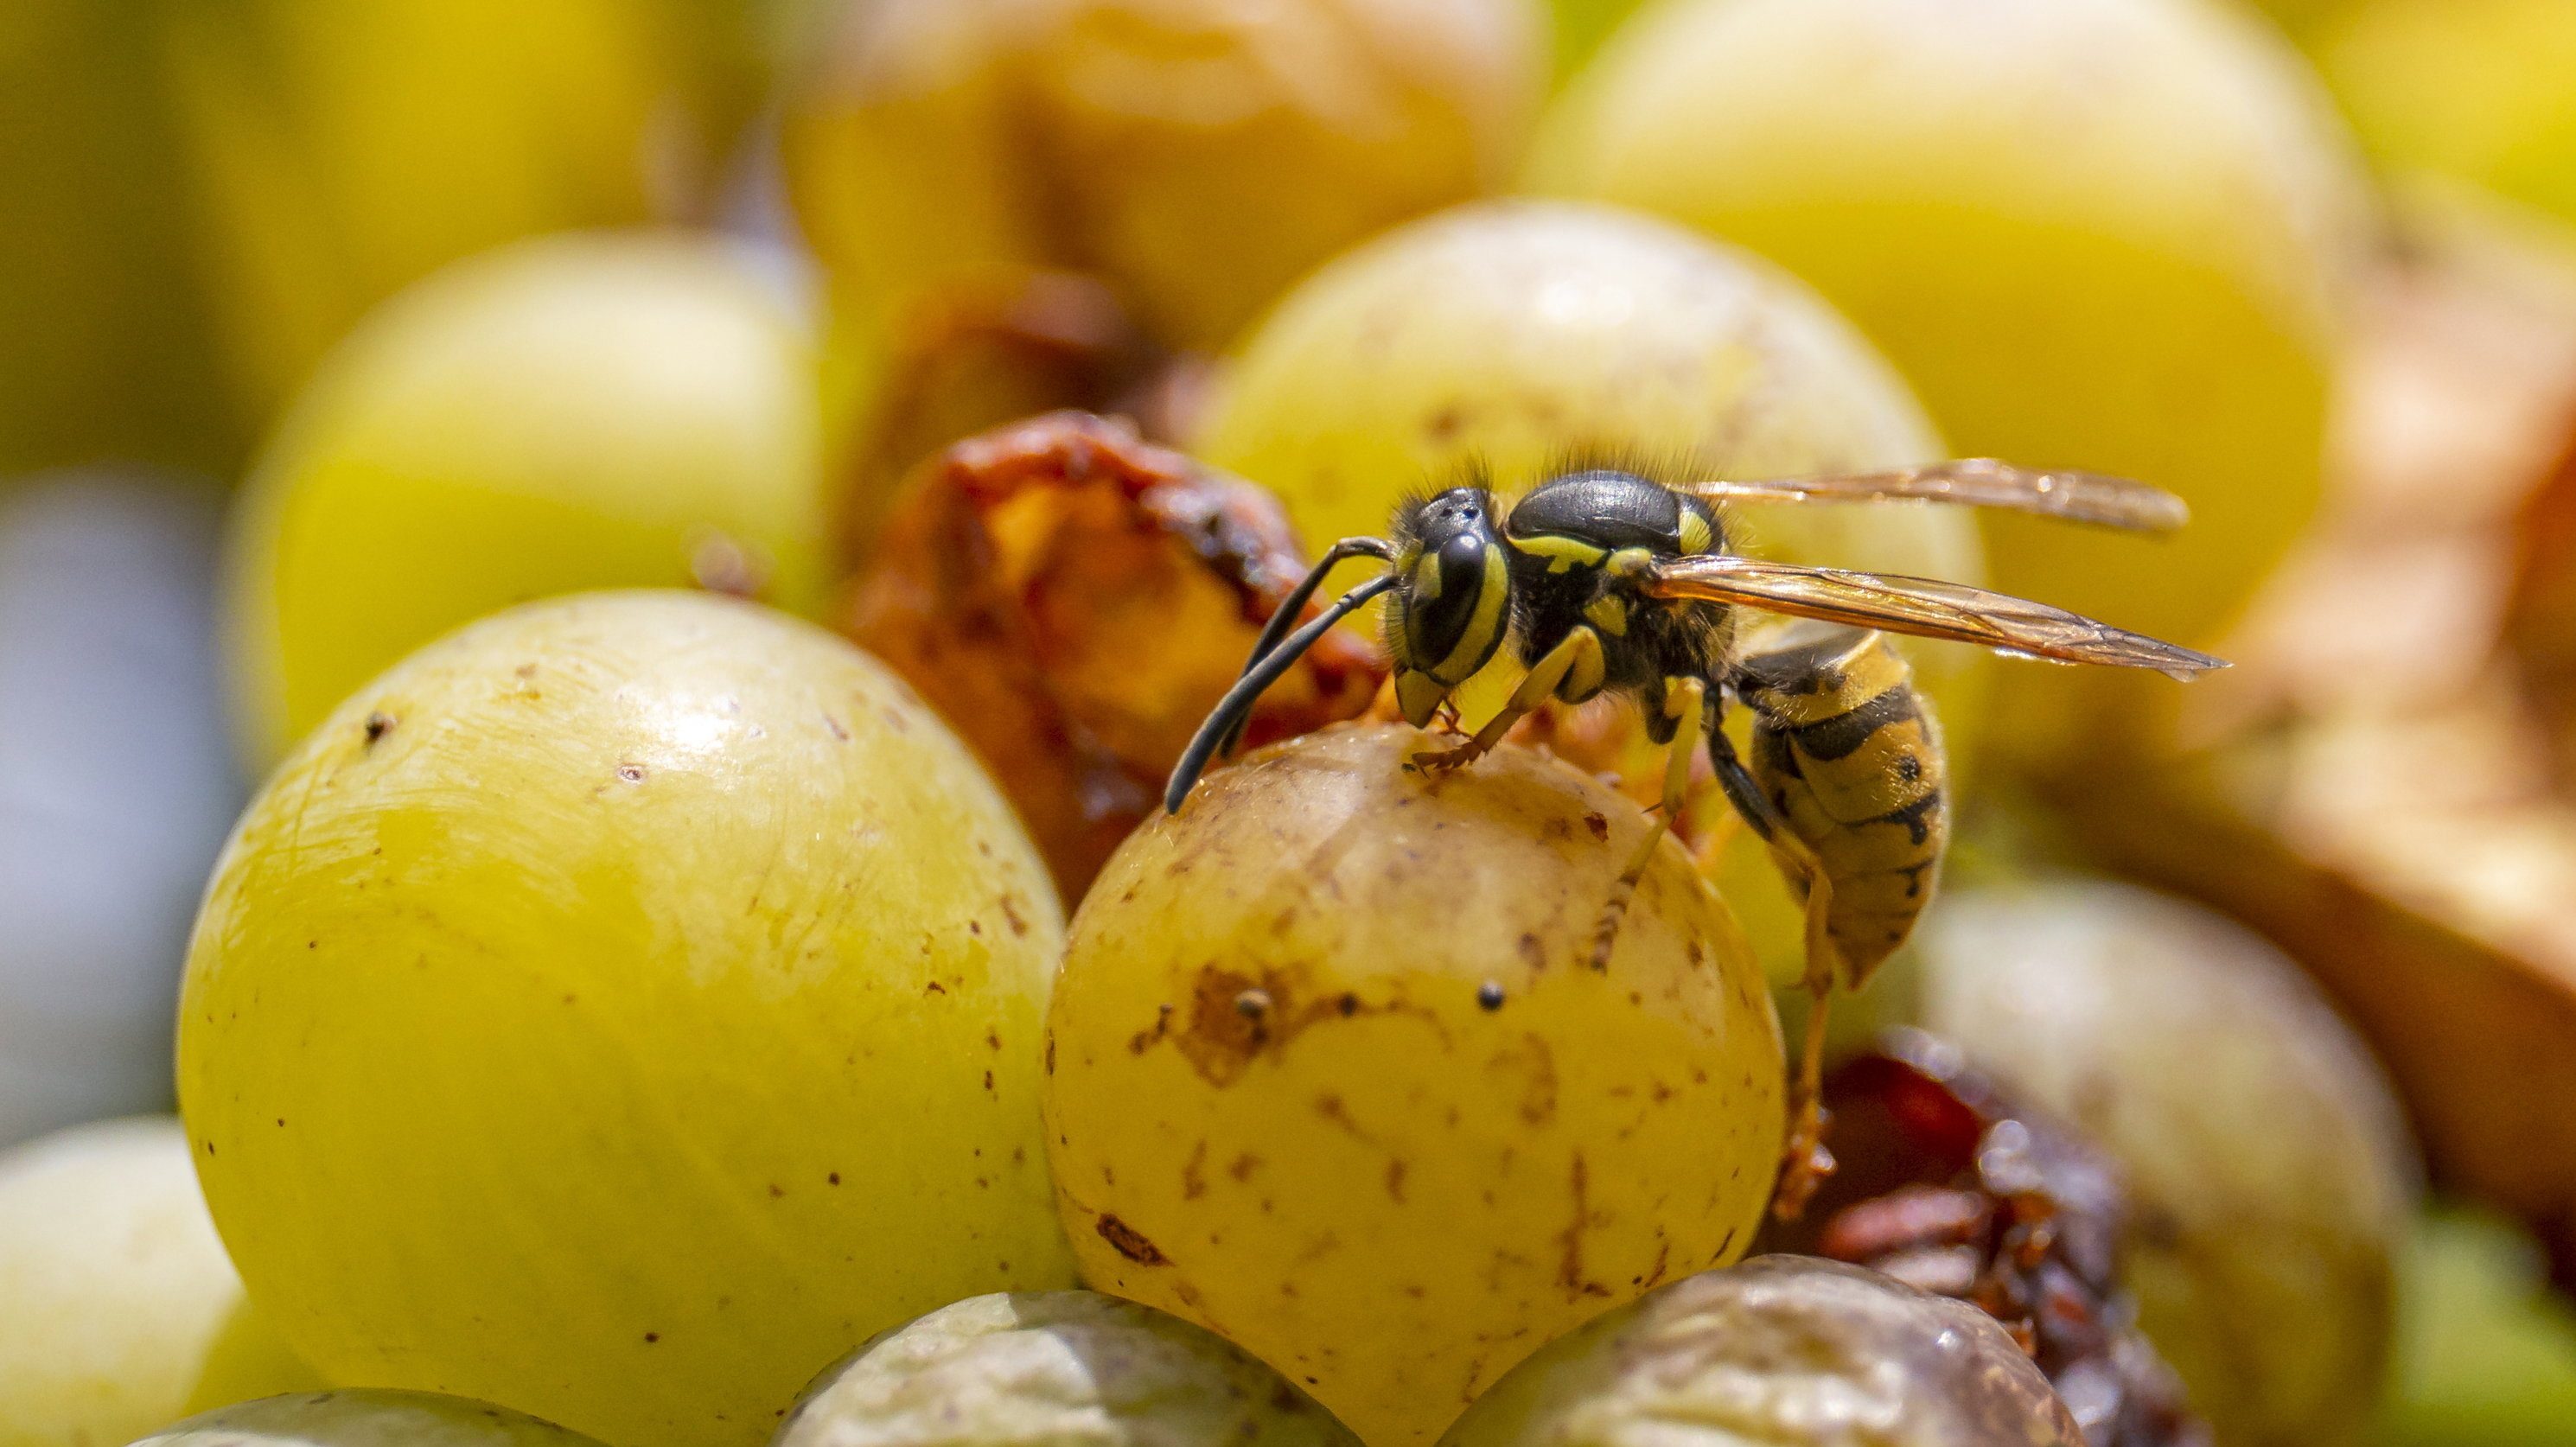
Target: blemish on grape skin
(631, 773)
(378, 725)
(1129, 1242)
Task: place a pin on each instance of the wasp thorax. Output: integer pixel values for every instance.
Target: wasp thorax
(1451, 607)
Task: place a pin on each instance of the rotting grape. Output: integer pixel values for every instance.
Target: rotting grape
(2269, 1169)
(115, 1295)
(364, 1418)
(592, 411)
(1786, 1351)
(619, 1009)
(1033, 1369)
(1510, 335)
(1330, 1072)
(1075, 601)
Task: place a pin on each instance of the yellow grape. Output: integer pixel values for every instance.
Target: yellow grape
(1331, 1074)
(2110, 234)
(577, 412)
(1055, 1366)
(1511, 334)
(118, 1309)
(618, 1010)
(2473, 89)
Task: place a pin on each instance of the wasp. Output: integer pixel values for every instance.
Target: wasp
(1607, 580)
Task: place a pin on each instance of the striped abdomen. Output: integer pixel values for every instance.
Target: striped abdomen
(1848, 753)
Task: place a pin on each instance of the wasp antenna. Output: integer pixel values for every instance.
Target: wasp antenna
(1284, 616)
(1228, 717)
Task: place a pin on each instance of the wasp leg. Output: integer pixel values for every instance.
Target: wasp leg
(1685, 702)
(1805, 1162)
(1581, 649)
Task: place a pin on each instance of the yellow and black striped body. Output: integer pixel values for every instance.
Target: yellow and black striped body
(1849, 755)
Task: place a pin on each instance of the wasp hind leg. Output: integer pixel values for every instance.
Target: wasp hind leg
(1579, 654)
(1685, 704)
(1805, 1162)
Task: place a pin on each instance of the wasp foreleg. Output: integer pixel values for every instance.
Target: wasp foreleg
(1580, 650)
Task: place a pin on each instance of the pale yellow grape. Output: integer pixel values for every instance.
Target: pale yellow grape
(1197, 155)
(578, 412)
(2267, 1164)
(114, 1292)
(2472, 89)
(366, 1418)
(1331, 1073)
(1779, 1351)
(618, 1010)
(1039, 1368)
(2112, 234)
(1515, 334)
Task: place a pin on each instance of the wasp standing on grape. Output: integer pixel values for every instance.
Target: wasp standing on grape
(1608, 580)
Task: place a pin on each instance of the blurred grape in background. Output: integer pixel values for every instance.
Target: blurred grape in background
(116, 785)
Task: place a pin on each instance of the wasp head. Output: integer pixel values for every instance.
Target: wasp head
(1452, 603)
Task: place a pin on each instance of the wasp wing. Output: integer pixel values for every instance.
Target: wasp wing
(2084, 497)
(1924, 607)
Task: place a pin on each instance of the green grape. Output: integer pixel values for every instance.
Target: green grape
(118, 1294)
(1034, 1369)
(1783, 1351)
(1330, 1072)
(618, 1010)
(2269, 1170)
(2112, 234)
(337, 153)
(2486, 1351)
(1511, 335)
(366, 1418)
(581, 412)
(1197, 155)
(2471, 89)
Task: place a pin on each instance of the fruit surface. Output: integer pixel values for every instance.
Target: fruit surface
(337, 153)
(1197, 155)
(1332, 1075)
(1784, 1350)
(116, 785)
(1055, 1366)
(2474, 89)
(117, 1289)
(618, 1010)
(577, 412)
(2486, 1351)
(2266, 1158)
(1513, 335)
(364, 1418)
(2112, 234)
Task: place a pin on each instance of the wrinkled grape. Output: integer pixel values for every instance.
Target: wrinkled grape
(115, 1295)
(1330, 1072)
(1033, 1369)
(2268, 1166)
(369, 1418)
(618, 1010)
(1781, 1351)
(580, 412)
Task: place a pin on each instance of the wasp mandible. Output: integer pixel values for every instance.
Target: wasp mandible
(1608, 580)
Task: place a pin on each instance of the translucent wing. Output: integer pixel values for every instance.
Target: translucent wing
(1924, 607)
(2084, 497)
